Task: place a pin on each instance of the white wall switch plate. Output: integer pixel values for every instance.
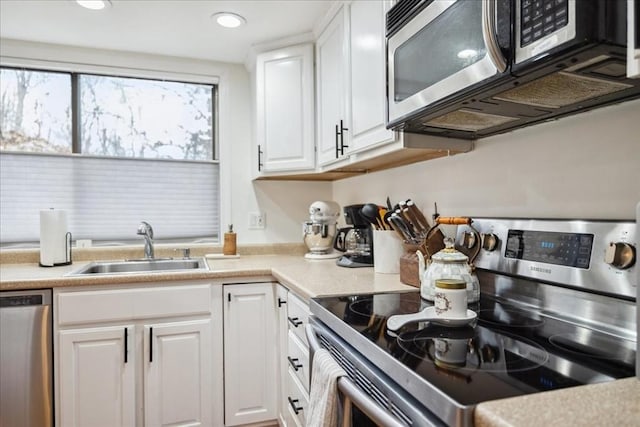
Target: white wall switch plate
(257, 221)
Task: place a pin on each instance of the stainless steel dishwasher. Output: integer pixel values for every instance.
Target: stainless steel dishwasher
(26, 383)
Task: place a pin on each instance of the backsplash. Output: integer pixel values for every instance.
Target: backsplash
(581, 167)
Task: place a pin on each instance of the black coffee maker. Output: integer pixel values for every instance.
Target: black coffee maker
(356, 241)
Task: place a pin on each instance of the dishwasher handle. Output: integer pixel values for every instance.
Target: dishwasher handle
(13, 299)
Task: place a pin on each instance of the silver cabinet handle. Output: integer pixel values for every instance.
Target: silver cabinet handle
(489, 34)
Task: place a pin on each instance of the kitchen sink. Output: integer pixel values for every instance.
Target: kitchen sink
(141, 266)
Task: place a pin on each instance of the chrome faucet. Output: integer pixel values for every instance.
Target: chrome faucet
(145, 230)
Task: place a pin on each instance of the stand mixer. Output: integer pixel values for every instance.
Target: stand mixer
(320, 231)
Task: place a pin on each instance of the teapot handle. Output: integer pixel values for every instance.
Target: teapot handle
(454, 220)
(478, 246)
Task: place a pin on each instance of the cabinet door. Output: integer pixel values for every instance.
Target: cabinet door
(97, 377)
(178, 374)
(285, 115)
(281, 303)
(250, 347)
(368, 75)
(332, 72)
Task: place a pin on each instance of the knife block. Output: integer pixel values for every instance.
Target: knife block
(409, 267)
(409, 274)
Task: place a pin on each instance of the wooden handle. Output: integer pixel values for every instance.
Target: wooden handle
(453, 220)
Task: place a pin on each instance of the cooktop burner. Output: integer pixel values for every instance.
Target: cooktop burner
(507, 351)
(467, 350)
(512, 318)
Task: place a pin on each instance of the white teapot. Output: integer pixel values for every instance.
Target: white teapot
(448, 263)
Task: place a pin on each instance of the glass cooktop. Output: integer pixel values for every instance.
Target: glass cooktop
(507, 351)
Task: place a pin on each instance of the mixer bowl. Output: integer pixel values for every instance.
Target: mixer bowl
(319, 237)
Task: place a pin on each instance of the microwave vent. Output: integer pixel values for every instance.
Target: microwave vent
(468, 120)
(560, 90)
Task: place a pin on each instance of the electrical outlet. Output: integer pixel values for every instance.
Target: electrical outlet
(257, 220)
(83, 243)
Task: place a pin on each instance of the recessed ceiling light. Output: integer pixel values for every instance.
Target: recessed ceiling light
(94, 4)
(229, 19)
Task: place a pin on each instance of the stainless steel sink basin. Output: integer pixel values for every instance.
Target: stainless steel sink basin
(141, 266)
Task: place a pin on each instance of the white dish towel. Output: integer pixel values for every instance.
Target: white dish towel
(324, 402)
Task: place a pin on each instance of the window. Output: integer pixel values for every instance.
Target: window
(127, 117)
(128, 150)
(35, 114)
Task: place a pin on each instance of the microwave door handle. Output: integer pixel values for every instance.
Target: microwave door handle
(489, 34)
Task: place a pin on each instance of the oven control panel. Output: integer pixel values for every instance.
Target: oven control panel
(594, 255)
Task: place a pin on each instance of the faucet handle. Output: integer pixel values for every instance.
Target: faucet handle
(186, 253)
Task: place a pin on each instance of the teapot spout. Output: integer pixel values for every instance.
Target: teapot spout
(421, 265)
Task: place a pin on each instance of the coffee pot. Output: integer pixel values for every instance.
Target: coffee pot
(355, 241)
(449, 263)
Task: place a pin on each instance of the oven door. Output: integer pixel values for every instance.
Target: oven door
(383, 403)
(447, 47)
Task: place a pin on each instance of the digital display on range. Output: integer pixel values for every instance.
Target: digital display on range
(569, 249)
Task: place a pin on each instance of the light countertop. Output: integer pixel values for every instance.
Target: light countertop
(613, 403)
(307, 278)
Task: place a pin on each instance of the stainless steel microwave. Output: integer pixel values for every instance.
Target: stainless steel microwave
(474, 68)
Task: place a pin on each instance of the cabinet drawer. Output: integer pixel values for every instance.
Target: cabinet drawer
(298, 399)
(298, 316)
(136, 303)
(298, 360)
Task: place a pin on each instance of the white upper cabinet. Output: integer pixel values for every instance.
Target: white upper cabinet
(351, 82)
(285, 110)
(332, 85)
(368, 75)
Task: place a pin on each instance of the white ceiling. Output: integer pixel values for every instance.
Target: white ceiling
(167, 27)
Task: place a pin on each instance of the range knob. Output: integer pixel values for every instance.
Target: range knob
(620, 255)
(489, 242)
(468, 239)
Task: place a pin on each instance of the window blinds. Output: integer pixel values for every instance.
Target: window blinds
(106, 198)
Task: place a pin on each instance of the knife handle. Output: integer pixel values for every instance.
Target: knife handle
(419, 217)
(453, 220)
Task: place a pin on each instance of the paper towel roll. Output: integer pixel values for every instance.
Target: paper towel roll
(55, 240)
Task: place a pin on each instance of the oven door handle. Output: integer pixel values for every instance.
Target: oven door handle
(352, 393)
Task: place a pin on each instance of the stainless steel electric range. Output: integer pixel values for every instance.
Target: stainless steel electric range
(557, 309)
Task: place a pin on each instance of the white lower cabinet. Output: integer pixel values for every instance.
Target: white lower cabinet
(250, 349)
(96, 377)
(178, 367)
(139, 368)
(293, 358)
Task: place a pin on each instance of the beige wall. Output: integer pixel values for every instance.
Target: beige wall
(585, 166)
